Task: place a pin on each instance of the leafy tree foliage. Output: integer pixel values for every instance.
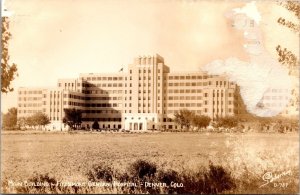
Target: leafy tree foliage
(8, 72)
(41, 118)
(227, 122)
(72, 117)
(10, 118)
(21, 122)
(29, 121)
(187, 118)
(200, 121)
(37, 119)
(285, 56)
(184, 118)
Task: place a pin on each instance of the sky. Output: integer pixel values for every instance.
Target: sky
(54, 39)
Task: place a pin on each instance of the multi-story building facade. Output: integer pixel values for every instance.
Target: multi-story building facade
(145, 97)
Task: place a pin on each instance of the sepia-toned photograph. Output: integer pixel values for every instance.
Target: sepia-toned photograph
(150, 97)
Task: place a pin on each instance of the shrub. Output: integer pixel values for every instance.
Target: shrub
(168, 177)
(95, 125)
(141, 168)
(218, 180)
(213, 180)
(100, 172)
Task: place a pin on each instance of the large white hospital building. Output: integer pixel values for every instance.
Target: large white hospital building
(144, 97)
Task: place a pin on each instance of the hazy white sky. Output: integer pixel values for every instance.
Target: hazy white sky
(54, 39)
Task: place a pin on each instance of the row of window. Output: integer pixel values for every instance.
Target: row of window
(54, 110)
(144, 105)
(187, 77)
(101, 111)
(103, 78)
(139, 118)
(30, 105)
(221, 102)
(144, 71)
(68, 85)
(139, 111)
(195, 111)
(28, 111)
(94, 98)
(29, 98)
(129, 105)
(275, 97)
(102, 91)
(104, 85)
(102, 119)
(54, 118)
(184, 105)
(149, 84)
(93, 111)
(183, 91)
(221, 110)
(184, 98)
(31, 92)
(105, 105)
(54, 92)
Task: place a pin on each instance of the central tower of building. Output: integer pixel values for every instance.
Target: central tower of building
(143, 104)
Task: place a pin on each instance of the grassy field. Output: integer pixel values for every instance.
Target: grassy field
(69, 157)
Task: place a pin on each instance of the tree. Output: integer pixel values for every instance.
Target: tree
(184, 118)
(29, 121)
(285, 56)
(21, 122)
(227, 122)
(10, 118)
(72, 117)
(95, 125)
(200, 121)
(8, 72)
(41, 119)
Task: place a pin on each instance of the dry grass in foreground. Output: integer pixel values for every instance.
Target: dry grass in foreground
(203, 163)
